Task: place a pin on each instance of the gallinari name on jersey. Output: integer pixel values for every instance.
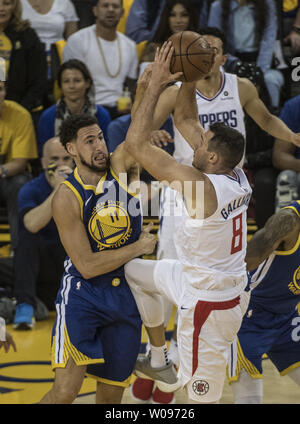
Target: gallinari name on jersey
(244, 200)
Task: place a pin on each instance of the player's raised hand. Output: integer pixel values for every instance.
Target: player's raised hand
(161, 66)
(147, 240)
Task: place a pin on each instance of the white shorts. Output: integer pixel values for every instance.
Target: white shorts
(205, 332)
(166, 247)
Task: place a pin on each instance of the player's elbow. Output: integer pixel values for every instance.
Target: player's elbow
(86, 271)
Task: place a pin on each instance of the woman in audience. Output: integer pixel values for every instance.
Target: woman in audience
(176, 16)
(25, 59)
(77, 90)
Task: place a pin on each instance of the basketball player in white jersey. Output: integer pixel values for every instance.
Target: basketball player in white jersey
(208, 281)
(220, 97)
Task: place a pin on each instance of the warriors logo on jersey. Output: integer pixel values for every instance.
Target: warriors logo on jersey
(294, 285)
(109, 225)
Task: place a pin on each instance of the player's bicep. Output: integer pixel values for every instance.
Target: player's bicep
(67, 216)
(252, 103)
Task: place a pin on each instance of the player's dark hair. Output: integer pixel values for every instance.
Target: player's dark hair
(214, 32)
(163, 31)
(227, 142)
(71, 125)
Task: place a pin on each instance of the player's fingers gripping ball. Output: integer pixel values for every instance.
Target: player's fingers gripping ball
(193, 56)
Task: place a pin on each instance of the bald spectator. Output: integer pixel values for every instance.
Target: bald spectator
(39, 257)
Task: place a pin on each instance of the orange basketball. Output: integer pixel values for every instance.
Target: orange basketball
(193, 55)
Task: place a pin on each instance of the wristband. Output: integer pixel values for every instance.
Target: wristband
(296, 29)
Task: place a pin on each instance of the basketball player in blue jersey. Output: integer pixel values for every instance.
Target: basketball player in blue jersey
(99, 222)
(271, 324)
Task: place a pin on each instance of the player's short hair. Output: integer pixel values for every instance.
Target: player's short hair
(71, 126)
(227, 142)
(214, 32)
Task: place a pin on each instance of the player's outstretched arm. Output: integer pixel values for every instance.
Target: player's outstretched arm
(255, 108)
(279, 228)
(186, 117)
(72, 232)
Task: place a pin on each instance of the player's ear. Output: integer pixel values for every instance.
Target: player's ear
(213, 157)
(224, 59)
(71, 149)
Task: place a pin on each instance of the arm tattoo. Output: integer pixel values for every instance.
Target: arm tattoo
(277, 230)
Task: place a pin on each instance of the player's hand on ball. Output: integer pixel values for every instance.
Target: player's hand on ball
(147, 240)
(161, 67)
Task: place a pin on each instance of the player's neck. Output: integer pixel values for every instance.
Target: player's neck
(88, 176)
(108, 34)
(210, 86)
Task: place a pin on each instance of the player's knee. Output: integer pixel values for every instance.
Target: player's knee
(65, 393)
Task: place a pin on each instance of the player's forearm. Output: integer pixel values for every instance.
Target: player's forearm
(142, 121)
(258, 249)
(186, 112)
(140, 90)
(277, 128)
(99, 263)
(284, 161)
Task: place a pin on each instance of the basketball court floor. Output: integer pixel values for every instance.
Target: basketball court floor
(26, 375)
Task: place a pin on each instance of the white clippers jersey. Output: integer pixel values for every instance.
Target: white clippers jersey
(215, 247)
(224, 107)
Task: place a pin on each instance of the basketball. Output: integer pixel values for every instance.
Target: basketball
(193, 56)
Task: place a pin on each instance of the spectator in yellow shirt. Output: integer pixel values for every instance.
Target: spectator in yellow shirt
(17, 147)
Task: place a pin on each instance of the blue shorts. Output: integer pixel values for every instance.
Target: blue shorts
(97, 324)
(263, 332)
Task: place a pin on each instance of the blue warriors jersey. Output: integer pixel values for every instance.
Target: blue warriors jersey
(275, 284)
(110, 213)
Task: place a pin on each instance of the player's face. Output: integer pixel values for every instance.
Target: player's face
(73, 84)
(108, 12)
(179, 19)
(6, 11)
(91, 150)
(220, 58)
